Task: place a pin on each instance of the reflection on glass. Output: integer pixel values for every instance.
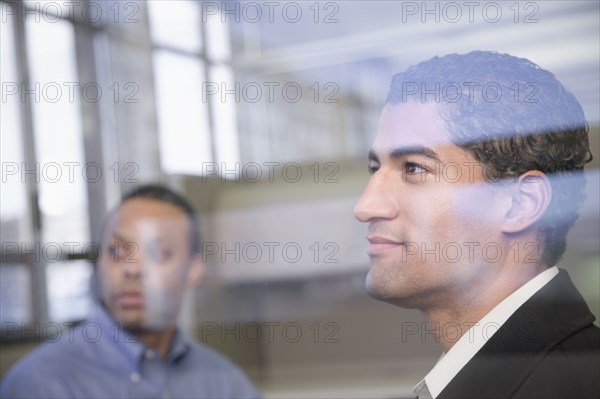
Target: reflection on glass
(60, 168)
(15, 294)
(224, 117)
(184, 135)
(217, 38)
(12, 196)
(68, 290)
(175, 24)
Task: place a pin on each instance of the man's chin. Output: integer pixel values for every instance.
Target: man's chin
(383, 291)
(143, 322)
(376, 289)
(130, 319)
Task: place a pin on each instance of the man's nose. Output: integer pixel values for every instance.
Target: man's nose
(377, 201)
(132, 262)
(132, 268)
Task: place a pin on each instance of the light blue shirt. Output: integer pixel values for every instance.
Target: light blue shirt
(99, 360)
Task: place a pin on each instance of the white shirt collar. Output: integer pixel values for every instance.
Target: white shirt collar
(473, 340)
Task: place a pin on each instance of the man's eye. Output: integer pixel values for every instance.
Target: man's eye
(373, 168)
(114, 249)
(414, 168)
(160, 254)
(115, 252)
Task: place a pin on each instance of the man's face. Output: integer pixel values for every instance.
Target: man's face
(430, 214)
(146, 263)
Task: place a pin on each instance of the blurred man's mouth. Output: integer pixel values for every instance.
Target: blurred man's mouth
(130, 299)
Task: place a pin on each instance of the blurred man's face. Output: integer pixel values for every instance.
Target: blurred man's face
(146, 263)
(430, 215)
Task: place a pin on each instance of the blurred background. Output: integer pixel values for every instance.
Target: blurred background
(262, 114)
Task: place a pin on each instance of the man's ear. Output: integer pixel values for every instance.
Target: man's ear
(531, 195)
(196, 270)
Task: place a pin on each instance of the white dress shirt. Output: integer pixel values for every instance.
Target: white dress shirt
(473, 340)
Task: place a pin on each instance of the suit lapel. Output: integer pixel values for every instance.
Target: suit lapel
(508, 358)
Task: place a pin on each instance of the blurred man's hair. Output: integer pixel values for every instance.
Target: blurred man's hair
(512, 116)
(163, 194)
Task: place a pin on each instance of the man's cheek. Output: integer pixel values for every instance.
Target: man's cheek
(472, 202)
(105, 283)
(160, 280)
(162, 294)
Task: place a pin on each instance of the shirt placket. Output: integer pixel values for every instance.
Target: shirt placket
(149, 380)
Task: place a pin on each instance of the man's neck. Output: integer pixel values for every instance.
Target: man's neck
(159, 340)
(470, 307)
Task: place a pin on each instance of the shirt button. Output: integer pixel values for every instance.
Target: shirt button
(149, 354)
(135, 377)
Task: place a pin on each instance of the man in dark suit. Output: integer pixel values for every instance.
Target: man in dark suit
(477, 177)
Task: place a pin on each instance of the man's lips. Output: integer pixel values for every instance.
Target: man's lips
(130, 299)
(379, 244)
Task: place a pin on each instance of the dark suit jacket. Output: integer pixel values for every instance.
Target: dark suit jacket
(548, 348)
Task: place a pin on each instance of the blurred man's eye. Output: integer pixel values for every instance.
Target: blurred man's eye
(115, 252)
(160, 254)
(122, 253)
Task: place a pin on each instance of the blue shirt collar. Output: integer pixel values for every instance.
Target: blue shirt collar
(129, 345)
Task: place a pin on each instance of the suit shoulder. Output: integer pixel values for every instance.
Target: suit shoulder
(581, 354)
(584, 340)
(570, 369)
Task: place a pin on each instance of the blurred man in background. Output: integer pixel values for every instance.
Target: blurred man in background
(477, 176)
(131, 347)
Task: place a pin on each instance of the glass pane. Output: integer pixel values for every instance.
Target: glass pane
(217, 38)
(50, 10)
(224, 118)
(54, 93)
(184, 134)
(15, 293)
(68, 285)
(176, 24)
(13, 199)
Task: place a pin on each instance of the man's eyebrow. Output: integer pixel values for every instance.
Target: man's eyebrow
(119, 237)
(414, 150)
(403, 151)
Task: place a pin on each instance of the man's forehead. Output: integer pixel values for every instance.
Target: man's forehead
(149, 221)
(410, 125)
(150, 216)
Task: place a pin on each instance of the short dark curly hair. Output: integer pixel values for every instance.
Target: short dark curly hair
(512, 116)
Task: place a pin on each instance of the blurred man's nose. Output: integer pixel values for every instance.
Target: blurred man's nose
(132, 262)
(132, 268)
